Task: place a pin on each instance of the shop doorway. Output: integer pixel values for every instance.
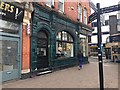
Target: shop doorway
(10, 61)
(42, 50)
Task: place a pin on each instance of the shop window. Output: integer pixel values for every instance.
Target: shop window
(9, 27)
(64, 45)
(61, 5)
(83, 44)
(9, 51)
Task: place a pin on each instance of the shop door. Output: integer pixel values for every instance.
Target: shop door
(42, 51)
(9, 63)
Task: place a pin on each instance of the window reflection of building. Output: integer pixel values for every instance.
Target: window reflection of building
(9, 27)
(83, 45)
(64, 44)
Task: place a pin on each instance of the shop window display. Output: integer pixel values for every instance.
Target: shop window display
(64, 45)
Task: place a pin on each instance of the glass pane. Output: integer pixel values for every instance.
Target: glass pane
(9, 55)
(59, 36)
(60, 6)
(42, 34)
(41, 51)
(66, 50)
(69, 50)
(42, 43)
(64, 36)
(9, 27)
(83, 46)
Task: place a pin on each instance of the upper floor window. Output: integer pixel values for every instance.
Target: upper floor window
(61, 5)
(85, 15)
(80, 13)
(49, 3)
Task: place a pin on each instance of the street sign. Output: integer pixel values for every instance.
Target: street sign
(110, 9)
(93, 6)
(102, 19)
(92, 17)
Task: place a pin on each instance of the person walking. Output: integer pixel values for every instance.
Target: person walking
(80, 59)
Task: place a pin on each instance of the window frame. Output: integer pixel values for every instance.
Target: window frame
(85, 15)
(80, 13)
(62, 2)
(50, 4)
(62, 42)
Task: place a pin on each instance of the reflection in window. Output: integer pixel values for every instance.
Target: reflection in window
(64, 45)
(9, 27)
(9, 52)
(41, 51)
(83, 44)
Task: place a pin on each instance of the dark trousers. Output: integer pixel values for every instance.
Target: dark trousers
(80, 62)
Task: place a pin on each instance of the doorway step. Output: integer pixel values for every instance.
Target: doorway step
(43, 71)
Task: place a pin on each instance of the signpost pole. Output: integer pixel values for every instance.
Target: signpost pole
(100, 49)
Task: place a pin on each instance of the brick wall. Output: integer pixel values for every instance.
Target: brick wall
(25, 49)
(71, 8)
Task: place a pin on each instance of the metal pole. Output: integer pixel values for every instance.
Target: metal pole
(100, 49)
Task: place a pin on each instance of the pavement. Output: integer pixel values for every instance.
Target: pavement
(88, 77)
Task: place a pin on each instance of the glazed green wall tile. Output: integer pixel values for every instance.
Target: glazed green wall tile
(49, 21)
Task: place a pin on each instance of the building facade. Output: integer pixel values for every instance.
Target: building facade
(46, 36)
(15, 30)
(57, 34)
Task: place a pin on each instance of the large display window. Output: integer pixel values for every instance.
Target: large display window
(64, 45)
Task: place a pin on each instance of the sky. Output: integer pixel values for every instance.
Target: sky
(105, 3)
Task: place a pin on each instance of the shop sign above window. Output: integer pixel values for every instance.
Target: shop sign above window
(8, 10)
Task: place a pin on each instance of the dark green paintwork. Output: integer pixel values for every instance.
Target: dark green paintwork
(48, 20)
